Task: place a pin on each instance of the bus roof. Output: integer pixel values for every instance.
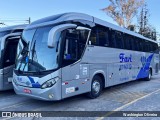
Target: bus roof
(22, 26)
(80, 16)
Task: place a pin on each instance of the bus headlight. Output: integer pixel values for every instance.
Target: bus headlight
(49, 83)
(14, 80)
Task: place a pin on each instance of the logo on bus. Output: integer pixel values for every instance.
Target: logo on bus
(19, 79)
(124, 58)
(143, 60)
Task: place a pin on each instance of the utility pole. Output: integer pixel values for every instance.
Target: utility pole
(29, 20)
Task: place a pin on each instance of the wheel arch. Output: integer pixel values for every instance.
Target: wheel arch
(101, 74)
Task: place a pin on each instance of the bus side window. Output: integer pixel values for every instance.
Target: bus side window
(146, 46)
(103, 37)
(136, 43)
(112, 41)
(127, 42)
(141, 45)
(75, 41)
(119, 40)
(93, 37)
(71, 45)
(83, 36)
(132, 43)
(155, 48)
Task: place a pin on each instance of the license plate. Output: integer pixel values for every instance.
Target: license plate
(27, 91)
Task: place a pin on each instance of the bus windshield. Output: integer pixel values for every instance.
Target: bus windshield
(36, 56)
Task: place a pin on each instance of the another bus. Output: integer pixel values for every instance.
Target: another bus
(9, 37)
(72, 53)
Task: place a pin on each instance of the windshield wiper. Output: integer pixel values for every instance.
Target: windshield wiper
(24, 54)
(33, 50)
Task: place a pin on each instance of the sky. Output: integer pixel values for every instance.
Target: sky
(36, 9)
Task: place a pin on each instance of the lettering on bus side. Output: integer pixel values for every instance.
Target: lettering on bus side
(143, 60)
(124, 58)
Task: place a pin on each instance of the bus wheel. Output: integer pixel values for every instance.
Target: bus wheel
(149, 75)
(96, 87)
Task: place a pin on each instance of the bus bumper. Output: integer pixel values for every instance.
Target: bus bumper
(49, 94)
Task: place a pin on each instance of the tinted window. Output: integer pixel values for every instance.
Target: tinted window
(103, 37)
(147, 47)
(93, 37)
(112, 41)
(155, 48)
(10, 52)
(141, 45)
(136, 44)
(152, 47)
(75, 41)
(18, 30)
(119, 40)
(128, 42)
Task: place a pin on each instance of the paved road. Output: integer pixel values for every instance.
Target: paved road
(137, 95)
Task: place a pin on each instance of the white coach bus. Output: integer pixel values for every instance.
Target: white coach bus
(9, 37)
(73, 53)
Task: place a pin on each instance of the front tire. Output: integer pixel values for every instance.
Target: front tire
(96, 87)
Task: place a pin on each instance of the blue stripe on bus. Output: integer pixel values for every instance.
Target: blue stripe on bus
(34, 85)
(143, 73)
(31, 79)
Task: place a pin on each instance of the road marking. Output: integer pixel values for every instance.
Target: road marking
(126, 105)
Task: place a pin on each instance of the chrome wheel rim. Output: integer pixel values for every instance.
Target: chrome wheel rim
(96, 87)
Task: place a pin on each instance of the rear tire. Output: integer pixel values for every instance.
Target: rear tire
(149, 75)
(96, 87)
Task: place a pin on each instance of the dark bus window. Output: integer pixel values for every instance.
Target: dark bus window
(156, 48)
(119, 40)
(141, 45)
(93, 37)
(137, 44)
(128, 42)
(152, 47)
(146, 46)
(131, 43)
(75, 41)
(10, 52)
(102, 36)
(18, 30)
(112, 41)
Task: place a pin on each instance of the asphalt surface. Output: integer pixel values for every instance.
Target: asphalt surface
(138, 95)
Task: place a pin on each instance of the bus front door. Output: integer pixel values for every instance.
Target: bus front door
(8, 60)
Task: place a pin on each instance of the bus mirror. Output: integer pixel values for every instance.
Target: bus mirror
(55, 33)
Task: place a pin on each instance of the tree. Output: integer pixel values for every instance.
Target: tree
(123, 11)
(143, 20)
(145, 28)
